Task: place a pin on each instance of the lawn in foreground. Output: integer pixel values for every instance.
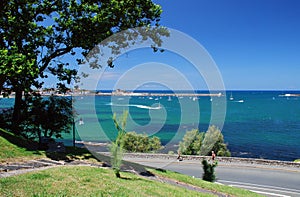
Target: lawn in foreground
(87, 181)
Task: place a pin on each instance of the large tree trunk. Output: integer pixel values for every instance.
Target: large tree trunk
(2, 81)
(17, 111)
(39, 135)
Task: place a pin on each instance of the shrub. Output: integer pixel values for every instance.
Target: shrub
(134, 142)
(214, 141)
(209, 171)
(5, 118)
(297, 161)
(195, 142)
(116, 158)
(117, 147)
(191, 142)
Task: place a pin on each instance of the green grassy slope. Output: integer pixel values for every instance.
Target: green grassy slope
(13, 148)
(86, 181)
(90, 181)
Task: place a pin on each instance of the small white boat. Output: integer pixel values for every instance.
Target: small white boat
(231, 97)
(158, 107)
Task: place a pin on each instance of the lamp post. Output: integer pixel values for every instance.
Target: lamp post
(73, 132)
(73, 123)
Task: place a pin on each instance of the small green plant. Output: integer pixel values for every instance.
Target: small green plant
(117, 147)
(116, 158)
(209, 171)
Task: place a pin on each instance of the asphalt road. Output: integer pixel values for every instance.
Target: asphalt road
(264, 179)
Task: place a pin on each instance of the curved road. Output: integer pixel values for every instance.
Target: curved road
(263, 179)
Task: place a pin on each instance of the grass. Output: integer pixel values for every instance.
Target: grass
(90, 181)
(87, 181)
(202, 184)
(13, 148)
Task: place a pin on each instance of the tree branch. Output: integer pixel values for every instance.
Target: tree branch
(46, 60)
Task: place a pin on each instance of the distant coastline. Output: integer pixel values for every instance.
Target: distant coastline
(157, 94)
(118, 92)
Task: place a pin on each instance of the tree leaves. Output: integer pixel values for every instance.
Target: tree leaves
(34, 34)
(48, 30)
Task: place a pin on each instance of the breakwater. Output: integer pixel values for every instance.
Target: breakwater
(160, 94)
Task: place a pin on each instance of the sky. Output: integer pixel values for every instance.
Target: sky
(255, 45)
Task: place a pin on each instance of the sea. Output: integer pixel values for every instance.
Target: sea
(255, 124)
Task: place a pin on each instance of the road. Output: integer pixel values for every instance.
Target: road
(263, 179)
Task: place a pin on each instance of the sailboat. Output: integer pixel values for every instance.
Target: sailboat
(231, 97)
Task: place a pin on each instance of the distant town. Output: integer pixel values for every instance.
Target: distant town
(119, 92)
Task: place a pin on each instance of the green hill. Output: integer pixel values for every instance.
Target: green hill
(14, 148)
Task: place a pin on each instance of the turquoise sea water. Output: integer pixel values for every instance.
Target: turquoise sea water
(258, 124)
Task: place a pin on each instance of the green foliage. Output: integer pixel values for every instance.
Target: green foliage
(47, 117)
(5, 118)
(117, 147)
(214, 141)
(116, 158)
(36, 34)
(195, 142)
(120, 126)
(134, 142)
(209, 171)
(191, 142)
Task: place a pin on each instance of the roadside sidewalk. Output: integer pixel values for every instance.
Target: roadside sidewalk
(15, 168)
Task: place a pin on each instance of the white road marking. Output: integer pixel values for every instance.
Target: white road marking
(258, 190)
(265, 186)
(271, 190)
(268, 193)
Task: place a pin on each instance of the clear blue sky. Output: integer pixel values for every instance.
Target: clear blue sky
(255, 43)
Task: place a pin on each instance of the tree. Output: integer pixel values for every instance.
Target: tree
(191, 143)
(117, 146)
(134, 142)
(195, 142)
(214, 141)
(47, 117)
(34, 34)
